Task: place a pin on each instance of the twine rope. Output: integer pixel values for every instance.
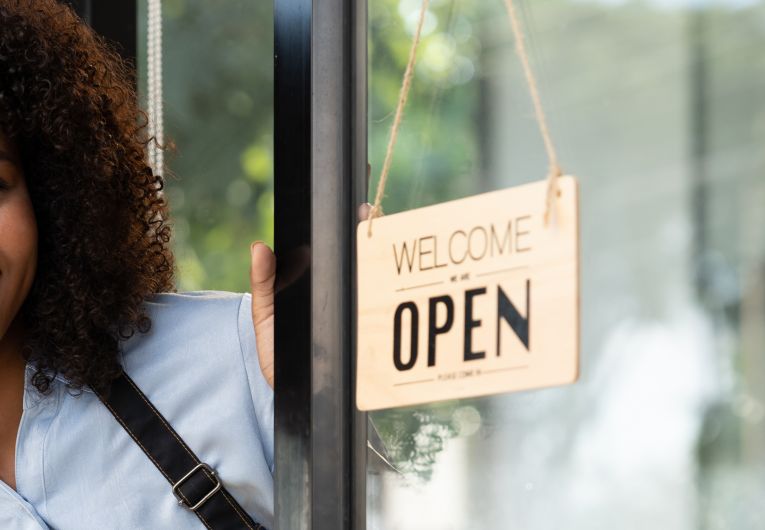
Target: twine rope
(402, 99)
(554, 170)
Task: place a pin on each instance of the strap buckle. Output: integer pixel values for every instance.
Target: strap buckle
(187, 476)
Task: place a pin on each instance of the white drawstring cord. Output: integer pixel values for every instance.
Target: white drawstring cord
(154, 86)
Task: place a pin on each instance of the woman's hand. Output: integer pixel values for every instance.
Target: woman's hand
(263, 285)
(262, 282)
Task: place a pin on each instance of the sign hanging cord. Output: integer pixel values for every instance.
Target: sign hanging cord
(402, 98)
(554, 170)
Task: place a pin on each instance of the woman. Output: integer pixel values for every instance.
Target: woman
(85, 278)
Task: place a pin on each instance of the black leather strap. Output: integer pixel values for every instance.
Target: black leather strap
(174, 459)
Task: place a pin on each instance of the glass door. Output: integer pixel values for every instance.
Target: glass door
(659, 108)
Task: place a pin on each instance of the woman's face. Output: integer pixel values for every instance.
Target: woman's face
(18, 236)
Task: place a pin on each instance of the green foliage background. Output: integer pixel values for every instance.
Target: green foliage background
(218, 83)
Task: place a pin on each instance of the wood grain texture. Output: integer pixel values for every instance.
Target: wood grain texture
(494, 294)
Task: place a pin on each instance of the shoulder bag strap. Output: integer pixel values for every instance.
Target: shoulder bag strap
(194, 483)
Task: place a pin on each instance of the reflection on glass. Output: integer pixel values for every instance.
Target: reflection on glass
(218, 80)
(659, 108)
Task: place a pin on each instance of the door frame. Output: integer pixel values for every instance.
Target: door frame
(320, 155)
(116, 20)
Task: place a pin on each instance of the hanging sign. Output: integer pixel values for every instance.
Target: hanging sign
(468, 298)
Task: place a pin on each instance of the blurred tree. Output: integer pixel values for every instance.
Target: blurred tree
(218, 80)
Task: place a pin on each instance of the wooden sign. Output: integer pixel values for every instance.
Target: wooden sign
(467, 298)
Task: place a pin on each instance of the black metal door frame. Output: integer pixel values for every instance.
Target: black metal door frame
(117, 20)
(320, 179)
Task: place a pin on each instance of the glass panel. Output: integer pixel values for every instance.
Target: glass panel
(218, 102)
(659, 108)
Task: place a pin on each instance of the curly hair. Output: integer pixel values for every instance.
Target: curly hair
(68, 102)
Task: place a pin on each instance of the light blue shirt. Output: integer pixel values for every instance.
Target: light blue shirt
(77, 469)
